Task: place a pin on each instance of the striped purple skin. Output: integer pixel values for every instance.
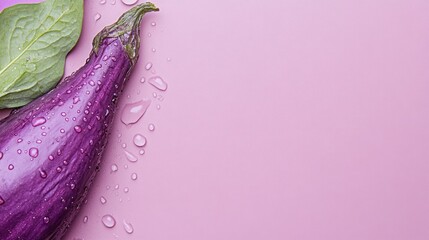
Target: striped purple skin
(50, 150)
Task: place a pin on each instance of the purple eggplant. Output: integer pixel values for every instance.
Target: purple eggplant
(50, 150)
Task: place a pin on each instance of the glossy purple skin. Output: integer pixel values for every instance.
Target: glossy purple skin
(38, 206)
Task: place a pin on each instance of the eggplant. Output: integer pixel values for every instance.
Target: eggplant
(51, 149)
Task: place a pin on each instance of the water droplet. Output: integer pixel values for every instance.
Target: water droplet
(151, 127)
(128, 227)
(148, 66)
(154, 94)
(168, 59)
(103, 200)
(62, 130)
(102, 2)
(141, 152)
(85, 219)
(139, 140)
(142, 80)
(38, 121)
(91, 83)
(113, 2)
(124, 145)
(153, 49)
(72, 186)
(78, 128)
(113, 59)
(19, 140)
(34, 152)
(97, 66)
(117, 186)
(10, 167)
(158, 83)
(131, 157)
(2, 201)
(134, 176)
(108, 221)
(59, 169)
(43, 174)
(153, 24)
(38, 141)
(149, 34)
(46, 219)
(1, 155)
(158, 107)
(132, 112)
(51, 157)
(129, 2)
(126, 190)
(19, 151)
(97, 17)
(114, 168)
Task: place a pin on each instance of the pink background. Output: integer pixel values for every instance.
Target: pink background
(283, 119)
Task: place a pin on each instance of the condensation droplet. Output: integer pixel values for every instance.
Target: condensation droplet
(43, 174)
(38, 121)
(108, 221)
(131, 157)
(141, 152)
(10, 167)
(129, 2)
(46, 219)
(143, 79)
(128, 227)
(34, 152)
(153, 24)
(148, 66)
(102, 2)
(151, 127)
(139, 140)
(97, 17)
(158, 83)
(132, 112)
(85, 219)
(78, 128)
(114, 168)
(103, 200)
(134, 176)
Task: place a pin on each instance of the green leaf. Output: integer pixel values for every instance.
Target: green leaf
(34, 41)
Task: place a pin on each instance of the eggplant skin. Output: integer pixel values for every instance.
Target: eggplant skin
(50, 150)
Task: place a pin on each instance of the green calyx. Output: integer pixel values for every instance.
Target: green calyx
(127, 29)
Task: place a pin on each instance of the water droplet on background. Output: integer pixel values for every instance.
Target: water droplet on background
(103, 200)
(143, 79)
(134, 176)
(85, 219)
(102, 2)
(128, 227)
(10, 167)
(130, 157)
(151, 127)
(153, 24)
(108, 221)
(139, 140)
(126, 190)
(129, 2)
(114, 168)
(158, 83)
(132, 112)
(148, 66)
(97, 17)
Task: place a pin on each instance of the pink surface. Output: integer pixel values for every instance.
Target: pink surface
(283, 120)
